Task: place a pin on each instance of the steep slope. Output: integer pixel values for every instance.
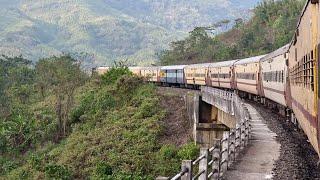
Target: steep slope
(109, 29)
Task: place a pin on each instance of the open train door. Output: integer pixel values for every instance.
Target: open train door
(287, 94)
(317, 96)
(260, 82)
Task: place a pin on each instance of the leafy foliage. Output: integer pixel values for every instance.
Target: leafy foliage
(57, 172)
(27, 116)
(62, 76)
(114, 74)
(115, 128)
(271, 27)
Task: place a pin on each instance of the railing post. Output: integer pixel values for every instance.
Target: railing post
(216, 160)
(237, 140)
(203, 164)
(242, 136)
(231, 147)
(225, 151)
(187, 165)
(246, 131)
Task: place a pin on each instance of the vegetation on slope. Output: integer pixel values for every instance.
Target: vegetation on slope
(106, 29)
(271, 27)
(72, 127)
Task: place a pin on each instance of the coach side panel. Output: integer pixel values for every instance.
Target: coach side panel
(303, 74)
(246, 77)
(273, 73)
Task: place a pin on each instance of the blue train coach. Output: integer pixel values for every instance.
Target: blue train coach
(172, 75)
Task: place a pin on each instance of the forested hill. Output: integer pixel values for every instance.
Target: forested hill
(58, 123)
(107, 29)
(272, 26)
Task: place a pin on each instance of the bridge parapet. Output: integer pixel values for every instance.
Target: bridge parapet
(220, 144)
(227, 101)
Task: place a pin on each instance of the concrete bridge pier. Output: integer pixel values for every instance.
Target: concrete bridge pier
(210, 123)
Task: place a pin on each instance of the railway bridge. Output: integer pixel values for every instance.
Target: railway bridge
(232, 135)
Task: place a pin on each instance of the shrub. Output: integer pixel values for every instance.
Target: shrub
(114, 74)
(36, 162)
(6, 165)
(148, 108)
(126, 84)
(167, 152)
(17, 133)
(188, 151)
(54, 171)
(85, 104)
(103, 170)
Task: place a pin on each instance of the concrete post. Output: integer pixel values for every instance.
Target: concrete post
(231, 147)
(237, 140)
(187, 165)
(243, 135)
(225, 151)
(195, 115)
(216, 160)
(203, 164)
(247, 131)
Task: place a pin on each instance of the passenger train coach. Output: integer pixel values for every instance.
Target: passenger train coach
(286, 79)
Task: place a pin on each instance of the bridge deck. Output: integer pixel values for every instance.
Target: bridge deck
(263, 150)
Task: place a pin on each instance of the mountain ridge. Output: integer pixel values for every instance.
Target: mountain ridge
(107, 29)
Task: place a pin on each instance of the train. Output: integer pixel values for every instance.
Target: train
(287, 79)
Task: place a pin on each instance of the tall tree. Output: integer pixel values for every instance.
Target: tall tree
(61, 75)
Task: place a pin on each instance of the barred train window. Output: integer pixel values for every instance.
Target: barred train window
(302, 74)
(273, 76)
(224, 76)
(214, 75)
(250, 76)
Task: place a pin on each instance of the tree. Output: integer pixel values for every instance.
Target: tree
(15, 77)
(60, 75)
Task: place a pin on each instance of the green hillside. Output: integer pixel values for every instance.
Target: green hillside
(57, 123)
(272, 26)
(106, 29)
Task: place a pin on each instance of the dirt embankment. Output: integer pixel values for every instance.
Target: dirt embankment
(177, 125)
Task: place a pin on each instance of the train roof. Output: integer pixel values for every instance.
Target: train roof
(199, 65)
(102, 67)
(299, 22)
(223, 63)
(249, 60)
(135, 68)
(277, 52)
(150, 67)
(173, 67)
